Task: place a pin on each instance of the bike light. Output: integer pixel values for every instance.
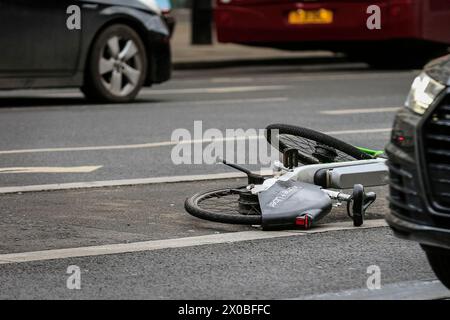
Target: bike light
(422, 94)
(303, 221)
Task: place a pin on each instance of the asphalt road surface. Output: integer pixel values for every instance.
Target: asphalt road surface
(131, 238)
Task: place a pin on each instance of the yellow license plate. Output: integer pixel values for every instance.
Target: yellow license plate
(320, 16)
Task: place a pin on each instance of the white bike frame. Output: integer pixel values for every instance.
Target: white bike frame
(337, 175)
(343, 175)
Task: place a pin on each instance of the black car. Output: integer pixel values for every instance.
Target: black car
(419, 164)
(108, 48)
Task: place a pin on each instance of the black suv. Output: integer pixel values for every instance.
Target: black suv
(419, 163)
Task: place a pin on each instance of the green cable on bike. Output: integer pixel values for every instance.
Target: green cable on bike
(370, 152)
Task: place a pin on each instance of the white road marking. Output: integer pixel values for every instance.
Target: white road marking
(173, 103)
(188, 90)
(141, 181)
(82, 169)
(177, 243)
(218, 89)
(359, 131)
(303, 78)
(230, 80)
(408, 290)
(127, 146)
(361, 110)
(308, 77)
(126, 182)
(348, 76)
(233, 101)
(171, 143)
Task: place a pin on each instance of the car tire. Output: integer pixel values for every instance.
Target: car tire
(439, 260)
(116, 67)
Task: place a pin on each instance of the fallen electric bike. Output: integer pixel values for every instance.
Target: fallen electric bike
(315, 168)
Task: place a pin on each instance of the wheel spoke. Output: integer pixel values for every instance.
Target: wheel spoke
(113, 46)
(127, 89)
(132, 74)
(106, 65)
(116, 82)
(129, 51)
(226, 202)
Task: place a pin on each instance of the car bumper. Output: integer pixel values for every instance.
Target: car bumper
(170, 22)
(436, 237)
(413, 213)
(160, 66)
(159, 53)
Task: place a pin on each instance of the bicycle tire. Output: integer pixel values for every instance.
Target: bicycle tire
(230, 216)
(345, 151)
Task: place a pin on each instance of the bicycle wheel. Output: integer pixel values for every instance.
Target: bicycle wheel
(233, 205)
(313, 147)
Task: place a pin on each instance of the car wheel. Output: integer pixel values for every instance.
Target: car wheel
(439, 260)
(116, 67)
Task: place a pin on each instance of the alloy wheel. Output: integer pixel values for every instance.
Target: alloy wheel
(120, 66)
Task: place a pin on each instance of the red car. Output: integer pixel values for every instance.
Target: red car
(410, 31)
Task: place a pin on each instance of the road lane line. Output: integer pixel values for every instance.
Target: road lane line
(178, 243)
(218, 89)
(126, 182)
(232, 101)
(308, 77)
(361, 110)
(349, 76)
(408, 290)
(358, 131)
(172, 143)
(231, 80)
(127, 146)
(82, 169)
(187, 90)
(172, 103)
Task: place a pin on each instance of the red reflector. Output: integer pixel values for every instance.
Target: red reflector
(302, 221)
